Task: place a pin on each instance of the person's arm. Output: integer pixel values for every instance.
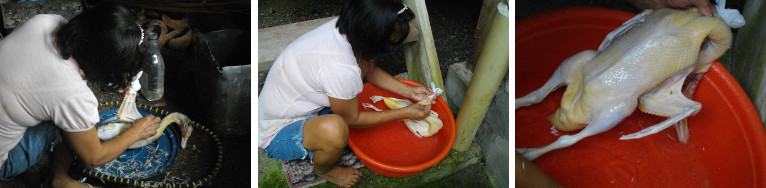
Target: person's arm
(529, 175)
(349, 110)
(94, 153)
(382, 79)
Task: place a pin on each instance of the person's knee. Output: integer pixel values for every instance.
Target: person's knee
(335, 130)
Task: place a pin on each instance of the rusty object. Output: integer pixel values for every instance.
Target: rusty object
(175, 23)
(180, 39)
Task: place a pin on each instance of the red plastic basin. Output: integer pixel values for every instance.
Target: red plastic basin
(727, 144)
(391, 149)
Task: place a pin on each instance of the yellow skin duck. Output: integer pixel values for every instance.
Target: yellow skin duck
(128, 113)
(641, 64)
(421, 128)
(112, 130)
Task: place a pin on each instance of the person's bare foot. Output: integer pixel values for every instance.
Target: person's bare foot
(69, 183)
(341, 176)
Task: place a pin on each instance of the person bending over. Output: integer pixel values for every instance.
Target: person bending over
(44, 96)
(325, 68)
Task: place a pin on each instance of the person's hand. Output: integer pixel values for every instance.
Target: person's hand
(418, 93)
(147, 126)
(417, 111)
(703, 6)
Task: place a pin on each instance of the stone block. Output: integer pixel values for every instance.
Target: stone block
(493, 137)
(273, 40)
(493, 134)
(456, 84)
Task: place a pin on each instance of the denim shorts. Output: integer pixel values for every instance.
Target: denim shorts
(288, 143)
(36, 141)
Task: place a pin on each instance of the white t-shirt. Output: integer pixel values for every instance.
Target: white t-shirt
(37, 85)
(318, 65)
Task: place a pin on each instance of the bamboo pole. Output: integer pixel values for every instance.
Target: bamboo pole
(420, 56)
(488, 11)
(489, 72)
(748, 64)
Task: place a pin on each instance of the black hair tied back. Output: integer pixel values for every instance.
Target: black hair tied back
(371, 25)
(104, 40)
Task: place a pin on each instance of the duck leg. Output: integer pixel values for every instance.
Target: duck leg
(568, 73)
(668, 100)
(602, 122)
(690, 85)
(128, 111)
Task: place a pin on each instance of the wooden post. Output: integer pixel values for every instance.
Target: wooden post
(422, 63)
(489, 72)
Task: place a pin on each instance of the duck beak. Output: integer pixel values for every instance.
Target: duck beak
(183, 142)
(187, 130)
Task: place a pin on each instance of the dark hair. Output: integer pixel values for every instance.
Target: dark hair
(104, 40)
(370, 24)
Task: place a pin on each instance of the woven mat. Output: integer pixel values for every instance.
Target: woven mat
(300, 173)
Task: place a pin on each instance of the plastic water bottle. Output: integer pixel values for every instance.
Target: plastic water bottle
(153, 79)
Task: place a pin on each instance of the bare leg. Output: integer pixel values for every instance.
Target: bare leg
(529, 175)
(62, 158)
(327, 135)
